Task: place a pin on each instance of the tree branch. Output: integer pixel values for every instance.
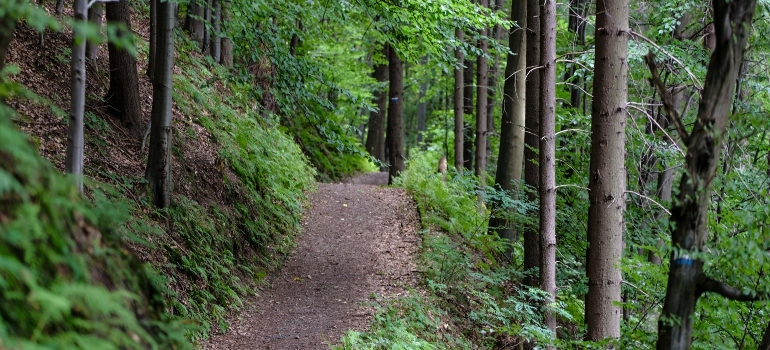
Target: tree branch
(727, 291)
(665, 97)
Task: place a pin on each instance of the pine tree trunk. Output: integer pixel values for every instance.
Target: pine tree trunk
(395, 115)
(689, 215)
(607, 180)
(547, 157)
(375, 139)
(123, 94)
(227, 43)
(158, 171)
(482, 76)
(74, 161)
(458, 105)
(95, 14)
(215, 38)
(509, 161)
(531, 138)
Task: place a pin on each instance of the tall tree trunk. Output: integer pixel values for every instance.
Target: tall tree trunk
(206, 27)
(458, 104)
(158, 171)
(532, 138)
(375, 139)
(59, 7)
(153, 45)
(469, 77)
(607, 180)
(74, 161)
(689, 215)
(194, 23)
(123, 94)
(578, 11)
(482, 70)
(494, 68)
(665, 181)
(511, 131)
(95, 14)
(215, 49)
(227, 44)
(421, 108)
(7, 27)
(547, 157)
(395, 115)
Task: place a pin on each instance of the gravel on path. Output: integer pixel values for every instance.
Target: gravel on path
(358, 240)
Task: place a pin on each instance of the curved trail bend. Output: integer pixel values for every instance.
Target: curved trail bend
(359, 239)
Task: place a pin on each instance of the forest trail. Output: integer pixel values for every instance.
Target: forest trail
(359, 240)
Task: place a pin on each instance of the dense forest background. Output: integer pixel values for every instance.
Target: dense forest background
(588, 174)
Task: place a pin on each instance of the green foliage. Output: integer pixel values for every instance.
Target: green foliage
(65, 279)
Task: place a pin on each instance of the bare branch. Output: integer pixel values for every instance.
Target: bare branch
(727, 291)
(665, 97)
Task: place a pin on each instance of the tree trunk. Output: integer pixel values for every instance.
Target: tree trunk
(482, 70)
(74, 161)
(158, 171)
(59, 7)
(511, 131)
(665, 181)
(547, 157)
(607, 180)
(194, 23)
(395, 115)
(206, 43)
(216, 23)
(123, 94)
(689, 215)
(7, 27)
(375, 139)
(153, 45)
(468, 136)
(458, 105)
(496, 35)
(95, 14)
(578, 11)
(531, 138)
(421, 109)
(227, 44)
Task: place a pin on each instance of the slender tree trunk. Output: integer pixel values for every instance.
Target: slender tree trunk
(458, 105)
(496, 35)
(59, 7)
(153, 39)
(194, 23)
(482, 70)
(665, 181)
(547, 157)
(123, 94)
(395, 115)
(95, 14)
(216, 26)
(206, 43)
(577, 19)
(159, 161)
(531, 138)
(375, 140)
(607, 180)
(7, 27)
(509, 161)
(227, 44)
(74, 161)
(421, 108)
(689, 215)
(469, 78)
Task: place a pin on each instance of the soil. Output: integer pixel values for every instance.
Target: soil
(358, 243)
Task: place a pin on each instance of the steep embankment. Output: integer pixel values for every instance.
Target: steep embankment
(358, 245)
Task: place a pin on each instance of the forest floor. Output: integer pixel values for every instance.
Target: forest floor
(357, 247)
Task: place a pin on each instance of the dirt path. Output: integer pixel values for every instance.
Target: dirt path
(359, 240)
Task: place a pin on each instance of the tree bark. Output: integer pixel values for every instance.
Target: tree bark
(689, 215)
(95, 14)
(458, 104)
(158, 171)
(123, 94)
(532, 138)
(395, 115)
(665, 181)
(74, 161)
(194, 23)
(607, 180)
(482, 76)
(469, 78)
(547, 157)
(509, 161)
(422, 109)
(375, 139)
(153, 44)
(206, 43)
(216, 27)
(227, 44)
(578, 11)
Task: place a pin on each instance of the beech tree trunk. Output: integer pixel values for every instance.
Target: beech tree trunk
(458, 105)
(689, 215)
(95, 14)
(547, 157)
(153, 44)
(482, 76)
(216, 26)
(607, 180)
(206, 42)
(375, 139)
(194, 24)
(422, 108)
(469, 77)
(227, 44)
(74, 161)
(509, 161)
(395, 115)
(531, 138)
(158, 171)
(123, 94)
